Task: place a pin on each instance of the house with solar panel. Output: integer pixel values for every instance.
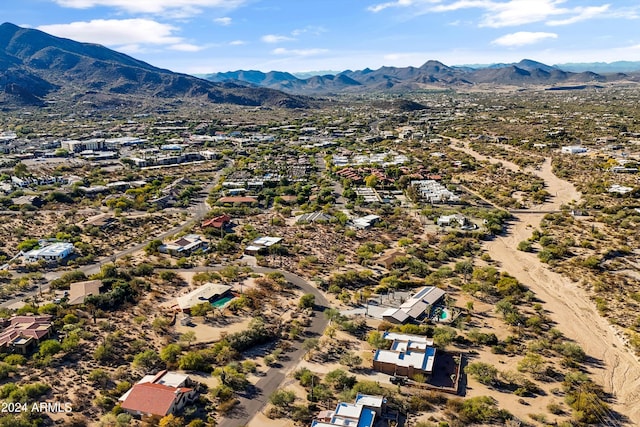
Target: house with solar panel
(417, 308)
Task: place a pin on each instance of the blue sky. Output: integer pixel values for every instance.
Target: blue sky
(201, 36)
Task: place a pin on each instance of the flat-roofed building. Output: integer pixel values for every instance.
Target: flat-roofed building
(184, 246)
(364, 412)
(54, 252)
(205, 293)
(262, 244)
(409, 355)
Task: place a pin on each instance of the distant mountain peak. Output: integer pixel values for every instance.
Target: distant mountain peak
(434, 73)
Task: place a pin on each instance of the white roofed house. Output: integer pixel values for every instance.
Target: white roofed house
(205, 293)
(365, 222)
(364, 412)
(54, 252)
(262, 244)
(448, 220)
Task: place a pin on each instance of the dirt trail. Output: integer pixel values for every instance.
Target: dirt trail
(616, 368)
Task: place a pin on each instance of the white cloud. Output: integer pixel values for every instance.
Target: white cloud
(583, 15)
(398, 3)
(309, 29)
(237, 42)
(275, 38)
(113, 32)
(223, 21)
(510, 13)
(497, 14)
(298, 52)
(180, 7)
(186, 47)
(523, 38)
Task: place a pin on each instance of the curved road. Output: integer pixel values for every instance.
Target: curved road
(250, 405)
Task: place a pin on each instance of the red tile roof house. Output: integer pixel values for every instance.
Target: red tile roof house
(217, 222)
(161, 394)
(20, 333)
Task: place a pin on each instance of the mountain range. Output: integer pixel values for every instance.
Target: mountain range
(431, 74)
(40, 69)
(36, 67)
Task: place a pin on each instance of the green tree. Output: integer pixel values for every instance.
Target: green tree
(443, 336)
(340, 380)
(375, 340)
(170, 353)
(188, 337)
(483, 372)
(49, 348)
(147, 360)
(152, 247)
(282, 398)
(20, 170)
(307, 301)
(532, 363)
(192, 361)
(99, 376)
(171, 421)
(371, 181)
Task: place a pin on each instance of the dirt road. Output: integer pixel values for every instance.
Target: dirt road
(617, 369)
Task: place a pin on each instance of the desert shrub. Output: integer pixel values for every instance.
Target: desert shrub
(482, 372)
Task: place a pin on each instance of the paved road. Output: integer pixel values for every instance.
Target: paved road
(250, 406)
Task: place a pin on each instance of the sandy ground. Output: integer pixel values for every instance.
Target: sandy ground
(206, 332)
(568, 305)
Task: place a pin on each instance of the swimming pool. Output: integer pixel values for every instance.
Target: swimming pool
(222, 301)
(445, 315)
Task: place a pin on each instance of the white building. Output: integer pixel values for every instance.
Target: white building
(364, 412)
(75, 146)
(573, 149)
(434, 192)
(365, 222)
(54, 252)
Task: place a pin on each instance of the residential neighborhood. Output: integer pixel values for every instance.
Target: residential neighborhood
(471, 260)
